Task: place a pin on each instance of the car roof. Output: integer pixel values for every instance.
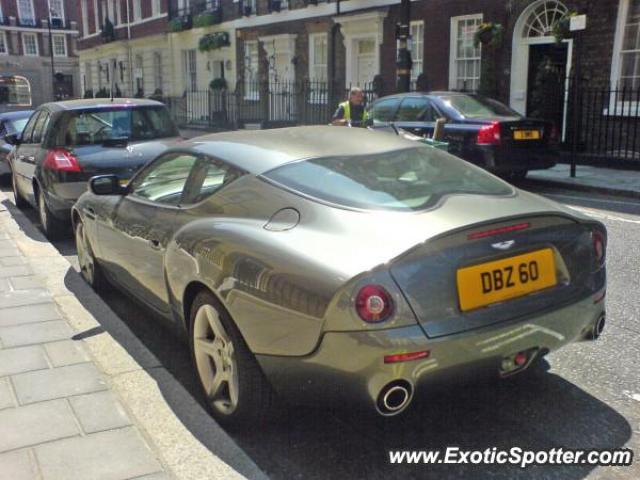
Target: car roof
(439, 93)
(16, 115)
(99, 103)
(257, 151)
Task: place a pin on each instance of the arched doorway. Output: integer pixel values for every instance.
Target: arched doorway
(537, 62)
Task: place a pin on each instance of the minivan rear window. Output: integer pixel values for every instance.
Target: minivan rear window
(97, 126)
(405, 180)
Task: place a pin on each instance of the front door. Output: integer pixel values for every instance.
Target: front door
(546, 82)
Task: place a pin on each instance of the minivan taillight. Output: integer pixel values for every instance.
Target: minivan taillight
(489, 134)
(61, 160)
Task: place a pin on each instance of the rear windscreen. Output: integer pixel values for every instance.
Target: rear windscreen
(410, 179)
(474, 106)
(91, 127)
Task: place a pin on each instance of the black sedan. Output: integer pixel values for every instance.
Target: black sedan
(66, 143)
(10, 124)
(478, 129)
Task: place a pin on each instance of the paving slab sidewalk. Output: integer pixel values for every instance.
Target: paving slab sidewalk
(78, 401)
(607, 181)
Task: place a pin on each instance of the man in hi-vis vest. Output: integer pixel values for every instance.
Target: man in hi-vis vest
(352, 111)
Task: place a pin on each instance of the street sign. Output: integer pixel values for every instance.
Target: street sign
(578, 22)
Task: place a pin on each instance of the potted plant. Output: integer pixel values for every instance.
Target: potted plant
(203, 19)
(218, 84)
(174, 25)
(488, 33)
(246, 10)
(561, 28)
(213, 41)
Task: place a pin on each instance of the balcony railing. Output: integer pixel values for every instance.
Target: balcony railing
(195, 7)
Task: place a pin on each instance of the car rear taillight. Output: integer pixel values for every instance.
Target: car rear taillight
(554, 136)
(489, 134)
(599, 246)
(61, 160)
(374, 304)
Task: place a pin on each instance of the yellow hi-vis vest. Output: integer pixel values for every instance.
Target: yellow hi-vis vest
(346, 106)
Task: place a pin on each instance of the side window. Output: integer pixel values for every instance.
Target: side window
(165, 179)
(40, 127)
(3, 129)
(28, 129)
(384, 110)
(209, 176)
(416, 109)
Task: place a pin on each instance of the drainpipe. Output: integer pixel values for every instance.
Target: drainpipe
(130, 60)
(335, 29)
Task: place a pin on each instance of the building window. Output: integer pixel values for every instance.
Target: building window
(137, 11)
(111, 12)
(4, 48)
(628, 55)
(85, 18)
(417, 49)
(155, 8)
(157, 71)
(464, 71)
(30, 44)
(59, 45)
(25, 12)
(56, 9)
(96, 16)
(190, 70)
(251, 88)
(1, 16)
(318, 57)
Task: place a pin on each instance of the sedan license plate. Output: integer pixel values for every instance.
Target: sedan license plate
(124, 182)
(526, 135)
(491, 282)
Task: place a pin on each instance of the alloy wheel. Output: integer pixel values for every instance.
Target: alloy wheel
(215, 360)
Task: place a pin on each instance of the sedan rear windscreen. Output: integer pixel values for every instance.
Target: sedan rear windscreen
(92, 127)
(411, 179)
(474, 106)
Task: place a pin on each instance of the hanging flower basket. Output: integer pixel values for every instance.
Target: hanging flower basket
(488, 34)
(218, 84)
(561, 28)
(213, 41)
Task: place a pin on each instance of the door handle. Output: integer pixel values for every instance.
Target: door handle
(155, 244)
(90, 213)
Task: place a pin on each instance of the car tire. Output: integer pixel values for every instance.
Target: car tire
(89, 268)
(18, 198)
(51, 226)
(518, 175)
(235, 388)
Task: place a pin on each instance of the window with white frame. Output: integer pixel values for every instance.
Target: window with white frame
(25, 12)
(30, 44)
(629, 46)
(96, 16)
(318, 57)
(189, 67)
(464, 65)
(417, 49)
(56, 9)
(4, 48)
(137, 10)
(59, 45)
(250, 64)
(111, 12)
(155, 8)
(85, 18)
(1, 15)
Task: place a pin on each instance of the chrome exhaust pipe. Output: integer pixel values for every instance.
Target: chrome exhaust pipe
(394, 398)
(598, 327)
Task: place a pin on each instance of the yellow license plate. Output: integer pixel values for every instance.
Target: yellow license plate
(124, 182)
(492, 282)
(526, 135)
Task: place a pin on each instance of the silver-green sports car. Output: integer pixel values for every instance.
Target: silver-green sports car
(343, 266)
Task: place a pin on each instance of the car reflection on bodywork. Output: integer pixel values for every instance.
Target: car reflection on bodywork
(341, 266)
(11, 123)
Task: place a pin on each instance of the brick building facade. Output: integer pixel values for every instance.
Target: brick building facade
(25, 48)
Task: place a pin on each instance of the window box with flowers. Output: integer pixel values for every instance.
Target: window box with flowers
(213, 41)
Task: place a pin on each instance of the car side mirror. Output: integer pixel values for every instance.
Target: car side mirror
(106, 185)
(13, 139)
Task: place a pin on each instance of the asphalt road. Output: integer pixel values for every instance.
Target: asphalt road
(587, 396)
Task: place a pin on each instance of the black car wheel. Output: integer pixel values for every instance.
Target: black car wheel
(518, 175)
(19, 199)
(89, 268)
(236, 391)
(51, 226)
